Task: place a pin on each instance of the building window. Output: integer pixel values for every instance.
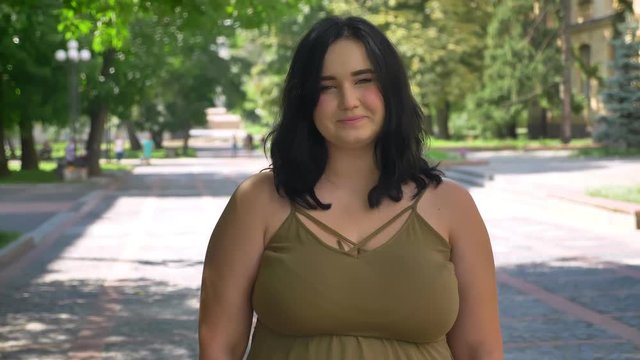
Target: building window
(585, 10)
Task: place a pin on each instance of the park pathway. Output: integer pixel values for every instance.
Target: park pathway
(123, 281)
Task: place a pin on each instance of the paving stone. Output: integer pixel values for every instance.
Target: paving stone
(130, 269)
(616, 351)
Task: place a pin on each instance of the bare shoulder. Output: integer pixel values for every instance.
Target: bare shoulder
(257, 187)
(259, 194)
(443, 206)
(448, 196)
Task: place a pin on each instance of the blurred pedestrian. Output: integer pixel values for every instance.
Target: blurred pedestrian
(147, 149)
(248, 142)
(119, 148)
(234, 145)
(70, 152)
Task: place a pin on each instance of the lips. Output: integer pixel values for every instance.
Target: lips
(351, 119)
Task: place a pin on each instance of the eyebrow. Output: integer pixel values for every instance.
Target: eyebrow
(353, 73)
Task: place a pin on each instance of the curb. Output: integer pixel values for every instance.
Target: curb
(16, 249)
(465, 162)
(606, 204)
(30, 240)
(463, 172)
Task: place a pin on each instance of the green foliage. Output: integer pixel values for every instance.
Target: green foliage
(443, 45)
(601, 152)
(30, 177)
(521, 65)
(174, 43)
(115, 167)
(32, 84)
(439, 155)
(506, 144)
(620, 127)
(621, 193)
(7, 237)
(46, 173)
(269, 49)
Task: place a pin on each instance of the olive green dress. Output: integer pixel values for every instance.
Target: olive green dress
(315, 301)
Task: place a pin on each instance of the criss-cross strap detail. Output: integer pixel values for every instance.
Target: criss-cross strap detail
(326, 228)
(356, 247)
(380, 229)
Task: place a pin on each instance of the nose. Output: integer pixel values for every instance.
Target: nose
(349, 98)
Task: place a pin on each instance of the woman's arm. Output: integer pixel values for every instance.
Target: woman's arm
(476, 332)
(230, 268)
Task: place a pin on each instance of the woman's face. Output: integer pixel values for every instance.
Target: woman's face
(350, 109)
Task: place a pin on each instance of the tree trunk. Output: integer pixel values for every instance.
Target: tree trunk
(442, 118)
(567, 64)
(98, 111)
(185, 143)
(428, 123)
(134, 143)
(512, 130)
(29, 156)
(537, 121)
(4, 163)
(157, 138)
(12, 149)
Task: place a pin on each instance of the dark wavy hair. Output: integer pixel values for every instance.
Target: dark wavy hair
(298, 150)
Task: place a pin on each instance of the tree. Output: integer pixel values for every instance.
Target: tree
(269, 49)
(4, 163)
(567, 63)
(107, 22)
(30, 81)
(521, 68)
(445, 57)
(620, 127)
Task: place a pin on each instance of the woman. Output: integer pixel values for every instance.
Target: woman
(351, 246)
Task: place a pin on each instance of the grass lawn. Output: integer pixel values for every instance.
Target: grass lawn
(113, 166)
(439, 155)
(503, 143)
(57, 151)
(622, 193)
(607, 152)
(156, 154)
(46, 173)
(7, 236)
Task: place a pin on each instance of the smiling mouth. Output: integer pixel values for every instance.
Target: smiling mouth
(351, 119)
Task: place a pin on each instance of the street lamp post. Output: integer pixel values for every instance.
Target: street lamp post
(73, 56)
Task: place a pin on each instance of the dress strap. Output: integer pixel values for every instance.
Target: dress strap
(377, 231)
(355, 247)
(326, 228)
(417, 200)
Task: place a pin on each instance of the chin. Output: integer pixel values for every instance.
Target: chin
(353, 144)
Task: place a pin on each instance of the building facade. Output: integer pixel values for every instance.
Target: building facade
(591, 34)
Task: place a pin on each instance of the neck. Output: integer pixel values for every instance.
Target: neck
(352, 170)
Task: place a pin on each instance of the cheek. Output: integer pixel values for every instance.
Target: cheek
(324, 105)
(324, 102)
(373, 97)
(323, 108)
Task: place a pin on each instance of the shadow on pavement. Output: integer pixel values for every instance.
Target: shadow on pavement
(537, 325)
(55, 302)
(521, 164)
(128, 319)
